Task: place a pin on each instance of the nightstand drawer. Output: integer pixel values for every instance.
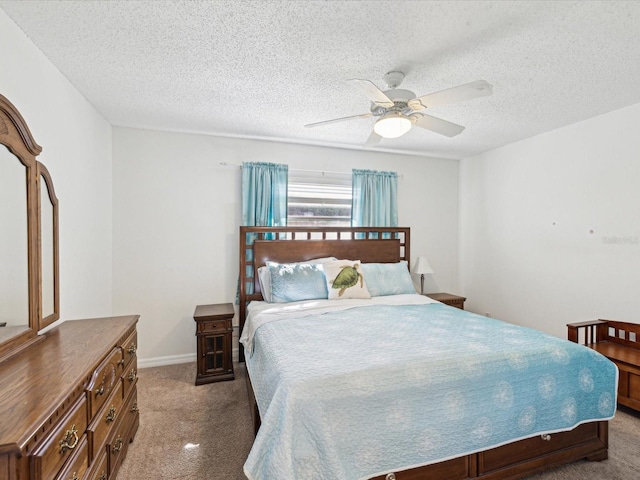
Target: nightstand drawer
(214, 326)
(456, 303)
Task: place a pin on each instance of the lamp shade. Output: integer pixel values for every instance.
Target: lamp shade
(392, 125)
(421, 267)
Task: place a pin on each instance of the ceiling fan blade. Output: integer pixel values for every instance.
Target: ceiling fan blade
(335, 120)
(373, 139)
(374, 94)
(437, 125)
(461, 93)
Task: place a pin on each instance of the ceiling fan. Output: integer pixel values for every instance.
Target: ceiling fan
(398, 110)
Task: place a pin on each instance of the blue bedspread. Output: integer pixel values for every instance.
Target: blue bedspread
(370, 390)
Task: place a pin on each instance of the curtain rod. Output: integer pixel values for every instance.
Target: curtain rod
(302, 170)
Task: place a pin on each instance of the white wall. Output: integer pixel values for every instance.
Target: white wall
(176, 214)
(76, 143)
(527, 210)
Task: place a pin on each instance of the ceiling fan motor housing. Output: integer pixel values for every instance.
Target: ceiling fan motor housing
(399, 97)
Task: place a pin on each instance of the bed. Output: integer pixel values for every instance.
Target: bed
(355, 388)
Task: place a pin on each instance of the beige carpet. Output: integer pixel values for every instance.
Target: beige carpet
(201, 433)
(188, 432)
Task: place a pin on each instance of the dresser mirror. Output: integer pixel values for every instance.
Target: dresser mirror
(14, 274)
(29, 278)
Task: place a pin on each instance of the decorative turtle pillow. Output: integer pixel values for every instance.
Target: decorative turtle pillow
(345, 280)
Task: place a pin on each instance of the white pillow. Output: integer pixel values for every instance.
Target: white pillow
(345, 280)
(264, 276)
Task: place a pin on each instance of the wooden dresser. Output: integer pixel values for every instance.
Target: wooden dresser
(68, 404)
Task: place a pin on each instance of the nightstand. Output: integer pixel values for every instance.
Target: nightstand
(214, 332)
(448, 299)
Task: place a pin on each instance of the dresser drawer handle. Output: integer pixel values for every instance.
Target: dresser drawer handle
(546, 437)
(103, 476)
(111, 415)
(75, 476)
(134, 407)
(70, 440)
(132, 349)
(121, 362)
(100, 391)
(118, 446)
(132, 375)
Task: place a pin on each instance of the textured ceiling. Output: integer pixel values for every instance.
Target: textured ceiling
(264, 69)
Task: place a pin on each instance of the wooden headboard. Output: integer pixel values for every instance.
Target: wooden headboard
(296, 244)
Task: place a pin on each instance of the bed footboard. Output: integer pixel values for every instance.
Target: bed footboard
(511, 461)
(519, 459)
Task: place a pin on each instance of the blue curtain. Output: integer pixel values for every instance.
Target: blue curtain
(264, 194)
(264, 202)
(374, 201)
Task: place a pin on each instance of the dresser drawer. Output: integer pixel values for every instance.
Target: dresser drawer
(211, 326)
(130, 347)
(105, 420)
(57, 447)
(104, 380)
(132, 414)
(501, 457)
(130, 377)
(99, 468)
(76, 468)
(118, 444)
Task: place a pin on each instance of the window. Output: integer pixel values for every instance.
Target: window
(319, 199)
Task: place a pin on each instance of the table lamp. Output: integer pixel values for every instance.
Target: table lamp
(422, 267)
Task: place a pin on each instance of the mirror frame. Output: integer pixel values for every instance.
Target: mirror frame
(43, 176)
(16, 136)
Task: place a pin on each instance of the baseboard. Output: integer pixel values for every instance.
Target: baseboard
(170, 360)
(174, 360)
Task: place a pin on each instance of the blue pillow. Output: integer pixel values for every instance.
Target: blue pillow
(388, 278)
(292, 282)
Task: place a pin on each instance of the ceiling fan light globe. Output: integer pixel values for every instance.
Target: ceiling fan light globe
(392, 126)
